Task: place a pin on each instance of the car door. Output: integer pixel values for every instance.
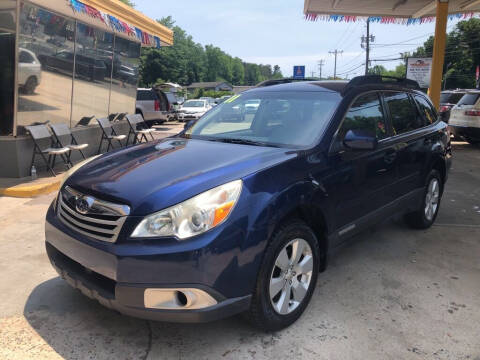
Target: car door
(409, 139)
(361, 180)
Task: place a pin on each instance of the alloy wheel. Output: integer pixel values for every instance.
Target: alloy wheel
(431, 199)
(291, 276)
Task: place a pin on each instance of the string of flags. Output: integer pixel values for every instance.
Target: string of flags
(116, 24)
(386, 19)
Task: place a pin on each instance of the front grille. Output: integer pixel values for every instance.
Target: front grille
(103, 221)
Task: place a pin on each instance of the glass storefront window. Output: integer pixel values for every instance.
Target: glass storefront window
(124, 76)
(8, 10)
(93, 68)
(45, 67)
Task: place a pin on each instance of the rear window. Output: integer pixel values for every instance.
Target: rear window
(145, 95)
(450, 98)
(469, 99)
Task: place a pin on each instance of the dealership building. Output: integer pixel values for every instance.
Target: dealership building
(65, 61)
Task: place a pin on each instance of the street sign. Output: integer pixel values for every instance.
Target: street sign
(419, 69)
(299, 72)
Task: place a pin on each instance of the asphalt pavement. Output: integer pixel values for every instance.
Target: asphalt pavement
(392, 293)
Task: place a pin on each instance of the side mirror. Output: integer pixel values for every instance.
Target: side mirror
(360, 140)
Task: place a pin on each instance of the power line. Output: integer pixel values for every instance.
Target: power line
(321, 63)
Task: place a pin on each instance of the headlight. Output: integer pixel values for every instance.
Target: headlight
(194, 216)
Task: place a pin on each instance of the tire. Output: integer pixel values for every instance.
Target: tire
(30, 85)
(266, 312)
(425, 216)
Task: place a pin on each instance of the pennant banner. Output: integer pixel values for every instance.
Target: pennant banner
(386, 19)
(116, 24)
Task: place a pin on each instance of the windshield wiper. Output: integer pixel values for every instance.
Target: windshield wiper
(243, 142)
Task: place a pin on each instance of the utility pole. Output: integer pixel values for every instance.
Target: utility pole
(366, 40)
(313, 74)
(321, 63)
(336, 53)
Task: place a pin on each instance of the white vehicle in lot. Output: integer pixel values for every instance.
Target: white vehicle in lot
(29, 71)
(193, 109)
(465, 118)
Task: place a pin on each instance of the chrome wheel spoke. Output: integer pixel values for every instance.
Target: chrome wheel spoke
(276, 285)
(306, 266)
(299, 291)
(297, 250)
(282, 260)
(284, 301)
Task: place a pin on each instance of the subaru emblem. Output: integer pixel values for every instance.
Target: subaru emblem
(83, 204)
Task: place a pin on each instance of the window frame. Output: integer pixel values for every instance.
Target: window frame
(336, 149)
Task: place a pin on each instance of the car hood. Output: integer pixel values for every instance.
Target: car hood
(152, 176)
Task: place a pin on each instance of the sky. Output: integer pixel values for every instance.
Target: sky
(275, 32)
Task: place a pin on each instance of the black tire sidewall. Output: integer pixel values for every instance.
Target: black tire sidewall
(270, 318)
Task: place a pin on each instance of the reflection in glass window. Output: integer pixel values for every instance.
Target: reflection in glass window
(426, 109)
(366, 113)
(44, 69)
(7, 65)
(93, 67)
(404, 116)
(125, 76)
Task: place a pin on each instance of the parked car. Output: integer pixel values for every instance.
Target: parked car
(448, 99)
(127, 74)
(29, 71)
(152, 105)
(193, 109)
(210, 101)
(465, 117)
(226, 218)
(85, 66)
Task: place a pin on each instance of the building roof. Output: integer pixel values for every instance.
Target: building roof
(115, 8)
(204, 85)
(395, 8)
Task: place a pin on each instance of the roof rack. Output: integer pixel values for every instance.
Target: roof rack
(380, 79)
(282, 81)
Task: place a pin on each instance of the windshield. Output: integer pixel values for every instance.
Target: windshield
(286, 119)
(194, 103)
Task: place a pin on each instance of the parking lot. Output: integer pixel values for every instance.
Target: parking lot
(392, 293)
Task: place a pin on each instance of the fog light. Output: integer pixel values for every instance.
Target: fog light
(177, 299)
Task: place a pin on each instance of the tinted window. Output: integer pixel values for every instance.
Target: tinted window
(469, 99)
(426, 109)
(404, 116)
(26, 58)
(366, 113)
(450, 98)
(145, 95)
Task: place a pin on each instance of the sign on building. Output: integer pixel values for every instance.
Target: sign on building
(299, 72)
(419, 69)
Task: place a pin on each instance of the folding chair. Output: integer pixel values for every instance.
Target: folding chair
(39, 132)
(84, 121)
(112, 117)
(138, 134)
(116, 117)
(108, 134)
(62, 131)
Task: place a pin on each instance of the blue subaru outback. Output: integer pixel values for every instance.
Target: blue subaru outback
(240, 212)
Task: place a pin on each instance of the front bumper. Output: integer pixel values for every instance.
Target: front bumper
(94, 273)
(185, 116)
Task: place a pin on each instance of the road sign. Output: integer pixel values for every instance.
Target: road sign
(299, 72)
(419, 69)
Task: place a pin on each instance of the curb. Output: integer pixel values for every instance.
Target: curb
(28, 191)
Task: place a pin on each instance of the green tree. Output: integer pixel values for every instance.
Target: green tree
(128, 2)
